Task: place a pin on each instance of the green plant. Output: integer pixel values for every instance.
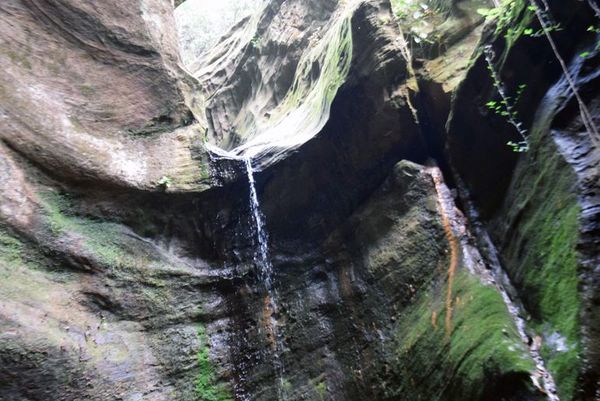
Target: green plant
(594, 29)
(321, 389)
(255, 41)
(512, 19)
(541, 32)
(286, 385)
(406, 9)
(492, 13)
(384, 20)
(413, 14)
(500, 107)
(506, 106)
(502, 14)
(207, 387)
(584, 54)
(551, 26)
(164, 182)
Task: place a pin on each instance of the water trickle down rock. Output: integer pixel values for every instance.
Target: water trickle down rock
(265, 273)
(362, 268)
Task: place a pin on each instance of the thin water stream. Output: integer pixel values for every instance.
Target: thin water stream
(262, 258)
(265, 271)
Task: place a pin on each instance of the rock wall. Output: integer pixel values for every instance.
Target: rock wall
(541, 204)
(127, 247)
(87, 90)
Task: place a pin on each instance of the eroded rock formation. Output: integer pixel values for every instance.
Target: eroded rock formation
(127, 242)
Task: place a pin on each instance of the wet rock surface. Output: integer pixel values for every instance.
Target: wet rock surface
(127, 247)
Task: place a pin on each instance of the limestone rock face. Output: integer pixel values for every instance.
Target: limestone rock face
(130, 266)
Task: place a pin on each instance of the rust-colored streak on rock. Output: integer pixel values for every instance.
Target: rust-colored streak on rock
(268, 322)
(434, 319)
(452, 240)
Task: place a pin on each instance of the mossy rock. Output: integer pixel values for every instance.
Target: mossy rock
(464, 359)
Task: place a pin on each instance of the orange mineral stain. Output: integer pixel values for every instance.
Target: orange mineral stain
(454, 246)
(268, 322)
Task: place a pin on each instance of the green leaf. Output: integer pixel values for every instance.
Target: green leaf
(484, 11)
(584, 54)
(164, 182)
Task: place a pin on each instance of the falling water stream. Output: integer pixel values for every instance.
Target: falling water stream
(262, 261)
(488, 268)
(262, 258)
(265, 273)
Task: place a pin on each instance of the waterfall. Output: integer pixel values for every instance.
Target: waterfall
(261, 257)
(265, 274)
(262, 262)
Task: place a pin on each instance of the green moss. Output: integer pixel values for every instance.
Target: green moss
(24, 274)
(19, 58)
(321, 389)
(564, 368)
(204, 170)
(207, 387)
(87, 91)
(321, 72)
(481, 346)
(10, 248)
(101, 239)
(542, 255)
(551, 265)
(76, 123)
(334, 55)
(286, 385)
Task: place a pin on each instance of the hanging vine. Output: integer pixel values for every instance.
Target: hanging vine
(506, 107)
